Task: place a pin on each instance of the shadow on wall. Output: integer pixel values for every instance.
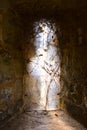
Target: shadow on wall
(74, 75)
(74, 97)
(78, 113)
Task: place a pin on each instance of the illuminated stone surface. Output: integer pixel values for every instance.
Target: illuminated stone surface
(43, 120)
(44, 68)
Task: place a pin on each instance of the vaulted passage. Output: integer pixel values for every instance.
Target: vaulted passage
(43, 65)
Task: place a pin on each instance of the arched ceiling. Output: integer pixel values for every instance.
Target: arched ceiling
(38, 4)
(40, 7)
(47, 6)
(21, 13)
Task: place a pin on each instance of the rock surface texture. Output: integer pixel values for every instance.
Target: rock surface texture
(43, 120)
(19, 43)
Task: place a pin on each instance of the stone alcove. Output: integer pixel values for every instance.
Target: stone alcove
(43, 69)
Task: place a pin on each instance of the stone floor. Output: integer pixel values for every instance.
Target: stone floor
(43, 120)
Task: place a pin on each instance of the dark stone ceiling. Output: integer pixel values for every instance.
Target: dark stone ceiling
(34, 7)
(40, 4)
(21, 13)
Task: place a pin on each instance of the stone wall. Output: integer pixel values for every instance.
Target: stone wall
(11, 74)
(74, 67)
